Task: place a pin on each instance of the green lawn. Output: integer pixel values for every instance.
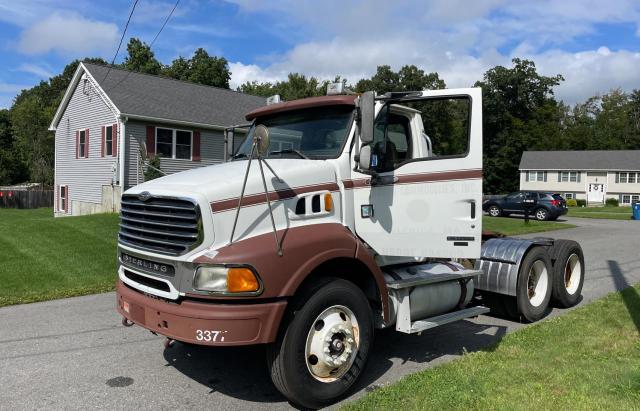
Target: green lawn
(45, 258)
(514, 226)
(588, 359)
(611, 213)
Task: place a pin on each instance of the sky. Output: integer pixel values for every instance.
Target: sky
(594, 44)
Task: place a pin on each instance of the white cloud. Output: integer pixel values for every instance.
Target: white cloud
(458, 39)
(12, 88)
(68, 34)
(35, 70)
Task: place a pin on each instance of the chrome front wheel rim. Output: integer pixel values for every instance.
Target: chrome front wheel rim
(332, 343)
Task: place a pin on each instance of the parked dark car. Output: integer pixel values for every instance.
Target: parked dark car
(541, 205)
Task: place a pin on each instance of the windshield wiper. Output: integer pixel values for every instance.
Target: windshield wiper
(240, 155)
(290, 151)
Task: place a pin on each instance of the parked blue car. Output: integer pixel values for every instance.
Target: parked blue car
(541, 205)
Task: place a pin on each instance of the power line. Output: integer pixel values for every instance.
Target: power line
(121, 39)
(164, 24)
(166, 20)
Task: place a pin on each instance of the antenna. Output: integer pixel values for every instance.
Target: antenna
(260, 148)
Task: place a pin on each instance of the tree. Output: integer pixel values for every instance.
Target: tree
(294, 87)
(141, 58)
(518, 111)
(209, 70)
(408, 78)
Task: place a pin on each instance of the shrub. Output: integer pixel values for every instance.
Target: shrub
(612, 202)
(153, 172)
(581, 203)
(572, 203)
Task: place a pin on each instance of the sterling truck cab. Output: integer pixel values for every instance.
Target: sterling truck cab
(336, 216)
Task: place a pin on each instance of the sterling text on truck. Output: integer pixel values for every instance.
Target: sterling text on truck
(336, 216)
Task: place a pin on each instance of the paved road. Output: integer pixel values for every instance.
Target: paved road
(74, 354)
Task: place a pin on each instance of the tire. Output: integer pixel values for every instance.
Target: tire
(533, 290)
(494, 211)
(541, 214)
(568, 273)
(300, 368)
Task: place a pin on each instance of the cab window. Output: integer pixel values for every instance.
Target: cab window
(392, 140)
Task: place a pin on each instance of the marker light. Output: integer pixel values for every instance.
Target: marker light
(221, 279)
(328, 202)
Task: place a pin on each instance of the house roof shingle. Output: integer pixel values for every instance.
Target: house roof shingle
(159, 97)
(581, 160)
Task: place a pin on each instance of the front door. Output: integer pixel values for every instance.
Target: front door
(425, 199)
(595, 193)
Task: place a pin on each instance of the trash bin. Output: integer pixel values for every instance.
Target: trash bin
(635, 210)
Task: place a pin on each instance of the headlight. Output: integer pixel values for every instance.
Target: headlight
(222, 279)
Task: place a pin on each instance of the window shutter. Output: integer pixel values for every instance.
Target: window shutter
(86, 143)
(114, 139)
(559, 175)
(578, 178)
(77, 143)
(56, 206)
(545, 176)
(619, 198)
(526, 176)
(151, 141)
(102, 143)
(196, 146)
(66, 200)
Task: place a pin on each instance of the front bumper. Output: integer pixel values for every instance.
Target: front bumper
(202, 323)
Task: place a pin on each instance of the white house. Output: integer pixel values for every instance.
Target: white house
(592, 175)
(108, 115)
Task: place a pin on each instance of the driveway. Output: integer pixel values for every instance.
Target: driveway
(74, 353)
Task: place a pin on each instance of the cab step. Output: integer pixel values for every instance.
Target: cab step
(423, 277)
(428, 323)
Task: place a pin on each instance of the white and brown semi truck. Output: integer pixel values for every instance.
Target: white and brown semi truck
(337, 215)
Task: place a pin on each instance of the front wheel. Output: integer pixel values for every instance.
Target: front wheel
(325, 347)
(494, 211)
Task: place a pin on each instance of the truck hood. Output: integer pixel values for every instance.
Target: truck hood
(224, 181)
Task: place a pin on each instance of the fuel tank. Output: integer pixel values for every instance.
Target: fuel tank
(441, 293)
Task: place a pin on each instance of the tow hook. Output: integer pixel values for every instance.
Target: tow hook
(169, 342)
(126, 322)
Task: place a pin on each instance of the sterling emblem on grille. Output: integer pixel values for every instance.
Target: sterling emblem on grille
(144, 196)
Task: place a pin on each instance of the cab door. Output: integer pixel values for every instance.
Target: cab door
(425, 197)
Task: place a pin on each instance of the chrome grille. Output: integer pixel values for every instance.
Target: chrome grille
(164, 225)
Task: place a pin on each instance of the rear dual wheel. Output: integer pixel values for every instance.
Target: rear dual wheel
(568, 273)
(325, 346)
(533, 290)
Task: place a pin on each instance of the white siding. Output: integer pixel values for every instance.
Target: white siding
(211, 151)
(84, 176)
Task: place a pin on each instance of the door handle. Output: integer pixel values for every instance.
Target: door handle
(473, 209)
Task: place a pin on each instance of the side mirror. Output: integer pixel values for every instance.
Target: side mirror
(229, 142)
(365, 157)
(366, 105)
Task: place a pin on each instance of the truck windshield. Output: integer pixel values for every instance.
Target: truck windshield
(316, 133)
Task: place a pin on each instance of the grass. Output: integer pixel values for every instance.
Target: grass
(587, 359)
(515, 226)
(45, 258)
(611, 213)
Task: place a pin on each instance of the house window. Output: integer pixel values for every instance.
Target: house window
(628, 178)
(536, 176)
(172, 143)
(569, 176)
(569, 196)
(63, 198)
(629, 198)
(82, 144)
(108, 140)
